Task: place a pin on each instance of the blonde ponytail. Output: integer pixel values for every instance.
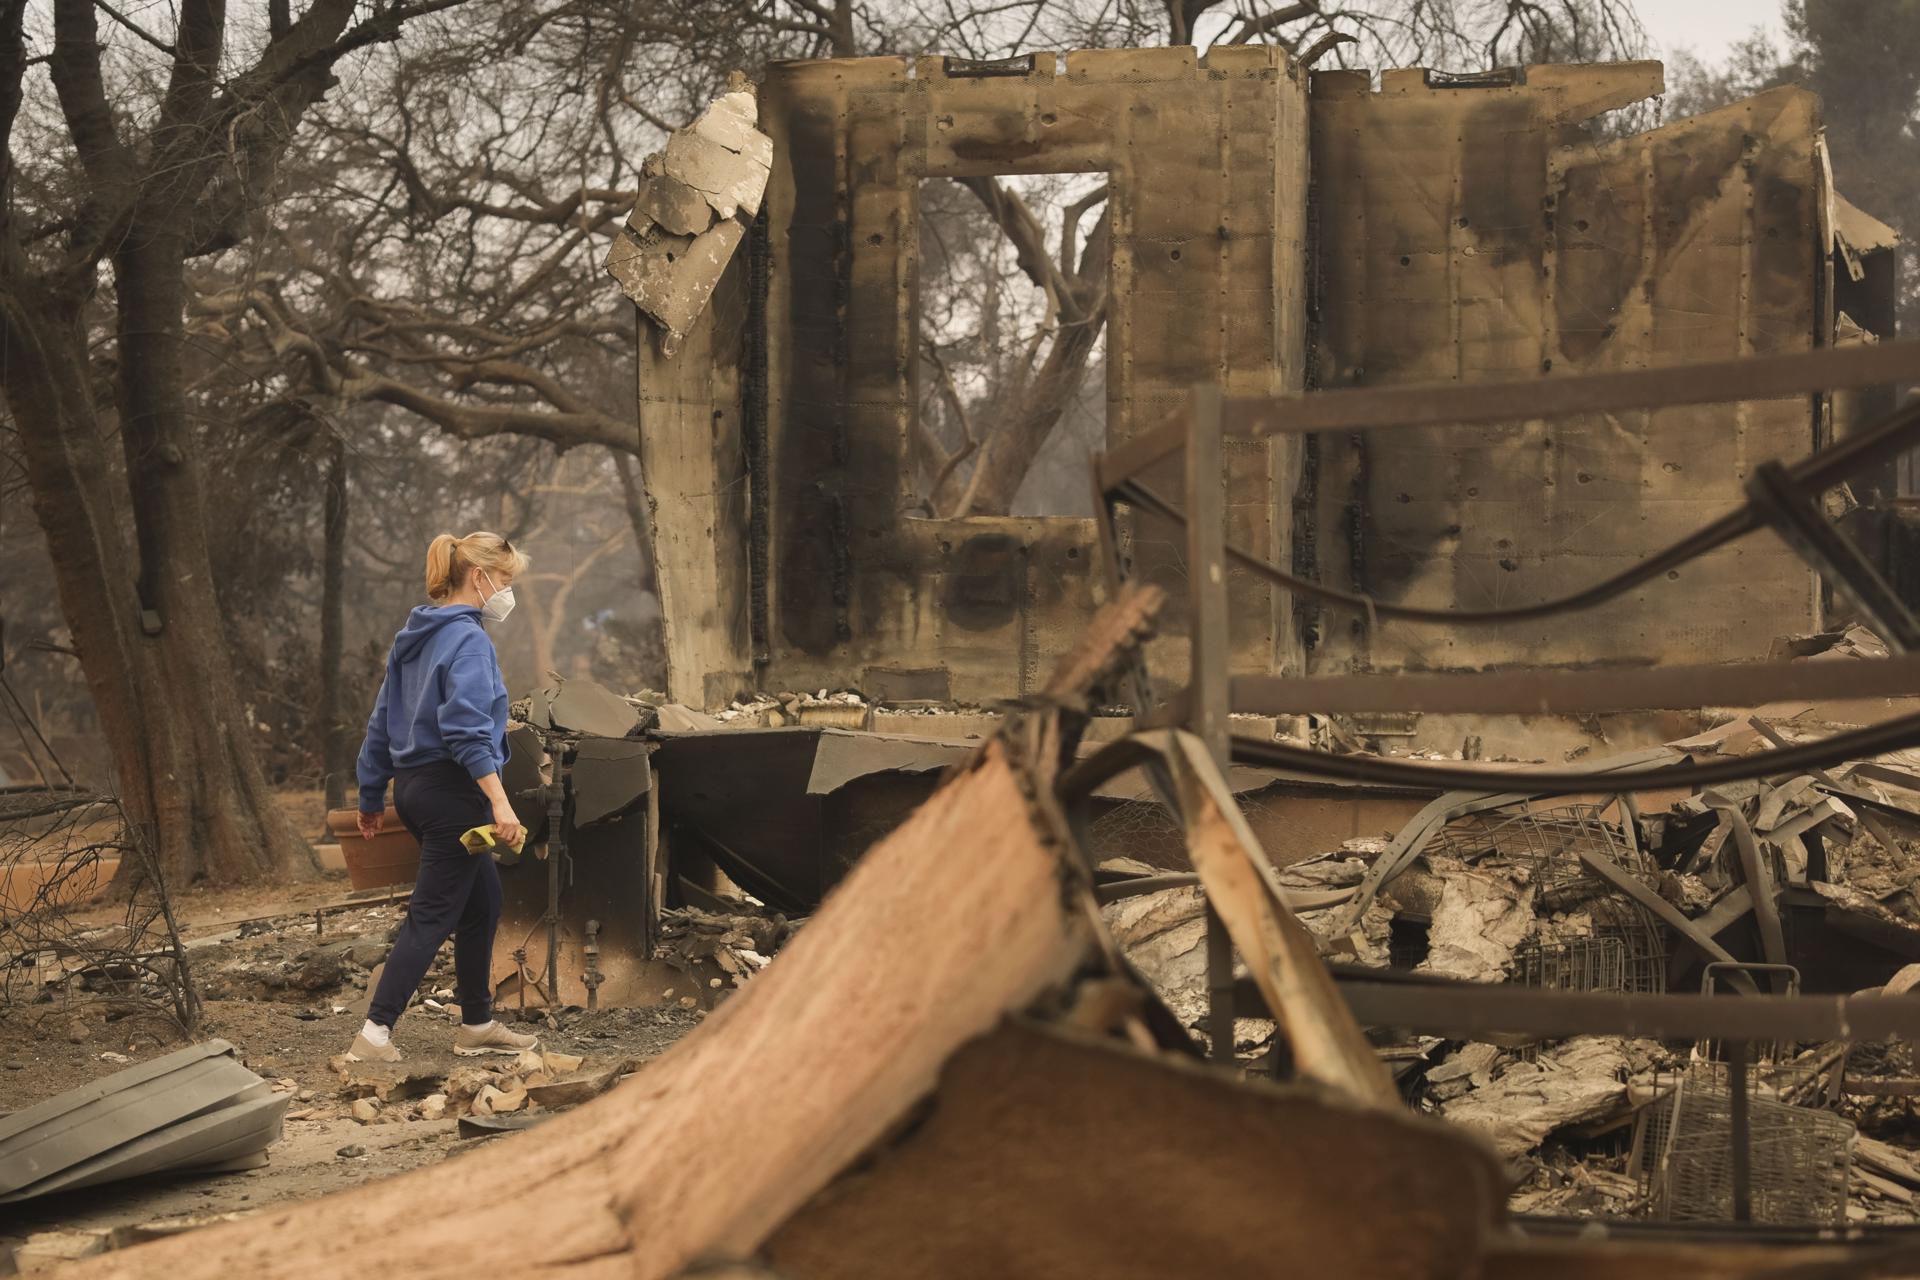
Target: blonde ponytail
(450, 559)
(441, 553)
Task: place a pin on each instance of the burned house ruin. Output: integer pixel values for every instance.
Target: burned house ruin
(1273, 231)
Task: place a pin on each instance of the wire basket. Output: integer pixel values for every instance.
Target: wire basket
(1578, 964)
(1548, 843)
(1799, 1165)
(1627, 949)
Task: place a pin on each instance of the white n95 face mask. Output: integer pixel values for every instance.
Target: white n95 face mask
(498, 605)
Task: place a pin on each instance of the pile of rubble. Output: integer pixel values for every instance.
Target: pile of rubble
(738, 946)
(534, 1081)
(842, 709)
(1817, 873)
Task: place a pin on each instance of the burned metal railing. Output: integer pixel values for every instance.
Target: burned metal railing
(1780, 496)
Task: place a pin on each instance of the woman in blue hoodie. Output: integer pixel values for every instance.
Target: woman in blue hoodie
(439, 732)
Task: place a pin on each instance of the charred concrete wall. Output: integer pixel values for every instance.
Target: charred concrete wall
(1489, 232)
(838, 584)
(1483, 229)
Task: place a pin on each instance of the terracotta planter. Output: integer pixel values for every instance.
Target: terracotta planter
(392, 857)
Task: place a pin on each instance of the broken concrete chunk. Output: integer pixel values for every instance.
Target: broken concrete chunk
(464, 1084)
(723, 156)
(433, 1106)
(1482, 916)
(567, 1093)
(672, 204)
(1472, 1061)
(1164, 936)
(722, 177)
(366, 1110)
(1583, 1079)
(500, 1102)
(671, 277)
(561, 1064)
(731, 120)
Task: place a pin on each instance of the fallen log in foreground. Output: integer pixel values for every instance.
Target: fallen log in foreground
(957, 918)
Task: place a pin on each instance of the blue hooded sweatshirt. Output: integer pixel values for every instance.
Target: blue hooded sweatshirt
(443, 699)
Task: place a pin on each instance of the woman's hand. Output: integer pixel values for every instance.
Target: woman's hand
(506, 824)
(370, 824)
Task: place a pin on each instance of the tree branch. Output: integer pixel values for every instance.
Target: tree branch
(1325, 45)
(1251, 28)
(134, 27)
(570, 423)
(77, 82)
(13, 76)
(1029, 242)
(1070, 223)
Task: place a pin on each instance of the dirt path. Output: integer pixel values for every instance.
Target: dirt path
(284, 996)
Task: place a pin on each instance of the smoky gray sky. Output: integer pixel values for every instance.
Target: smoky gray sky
(1708, 27)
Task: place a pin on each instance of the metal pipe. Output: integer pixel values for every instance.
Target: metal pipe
(1465, 404)
(1742, 1131)
(556, 850)
(1813, 474)
(1207, 704)
(592, 978)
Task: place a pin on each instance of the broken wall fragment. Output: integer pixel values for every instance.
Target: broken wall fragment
(672, 252)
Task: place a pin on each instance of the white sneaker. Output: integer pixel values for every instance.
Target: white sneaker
(365, 1050)
(470, 1042)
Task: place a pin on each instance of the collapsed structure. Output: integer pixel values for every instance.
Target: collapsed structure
(1274, 231)
(1651, 982)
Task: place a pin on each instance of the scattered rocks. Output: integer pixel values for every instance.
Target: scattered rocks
(321, 969)
(433, 1106)
(498, 1102)
(368, 951)
(366, 1110)
(464, 1085)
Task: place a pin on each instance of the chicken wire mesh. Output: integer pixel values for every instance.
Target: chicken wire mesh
(86, 925)
(1143, 829)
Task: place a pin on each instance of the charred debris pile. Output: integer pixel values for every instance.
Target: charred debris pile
(1801, 883)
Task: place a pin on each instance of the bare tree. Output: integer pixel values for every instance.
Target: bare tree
(140, 152)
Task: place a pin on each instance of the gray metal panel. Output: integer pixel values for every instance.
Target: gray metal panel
(237, 1128)
(83, 1123)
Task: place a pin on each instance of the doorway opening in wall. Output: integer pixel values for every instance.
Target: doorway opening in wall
(1011, 375)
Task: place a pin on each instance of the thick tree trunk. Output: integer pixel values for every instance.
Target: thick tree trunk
(335, 739)
(1008, 453)
(146, 623)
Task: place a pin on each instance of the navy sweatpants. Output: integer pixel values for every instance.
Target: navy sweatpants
(457, 893)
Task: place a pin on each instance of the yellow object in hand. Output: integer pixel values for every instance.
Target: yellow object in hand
(480, 839)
